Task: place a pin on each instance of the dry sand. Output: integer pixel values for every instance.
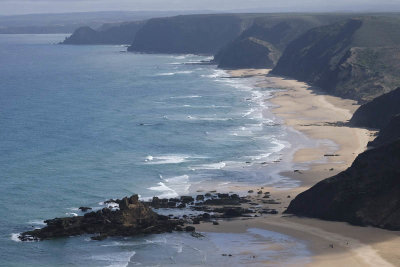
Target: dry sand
(318, 116)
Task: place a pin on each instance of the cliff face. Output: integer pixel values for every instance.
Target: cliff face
(109, 34)
(248, 52)
(197, 34)
(368, 193)
(379, 112)
(388, 134)
(346, 59)
(261, 45)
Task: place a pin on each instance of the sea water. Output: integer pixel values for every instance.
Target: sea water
(83, 124)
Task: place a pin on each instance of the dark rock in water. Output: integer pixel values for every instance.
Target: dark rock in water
(250, 191)
(196, 235)
(199, 197)
(367, 193)
(215, 223)
(222, 201)
(190, 228)
(187, 199)
(132, 218)
(84, 209)
(181, 206)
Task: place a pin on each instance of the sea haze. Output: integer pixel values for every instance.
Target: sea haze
(82, 124)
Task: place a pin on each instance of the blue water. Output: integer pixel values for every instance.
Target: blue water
(82, 124)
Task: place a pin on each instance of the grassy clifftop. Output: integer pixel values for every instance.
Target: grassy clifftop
(357, 58)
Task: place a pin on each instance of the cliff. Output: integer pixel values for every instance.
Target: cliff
(261, 45)
(196, 34)
(356, 59)
(389, 133)
(379, 112)
(368, 193)
(121, 33)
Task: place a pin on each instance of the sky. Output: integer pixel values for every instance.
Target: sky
(12, 7)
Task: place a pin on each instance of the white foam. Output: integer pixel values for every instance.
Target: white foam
(174, 73)
(37, 222)
(179, 184)
(15, 237)
(167, 159)
(166, 192)
(185, 96)
(71, 213)
(165, 74)
(149, 158)
(216, 74)
(119, 259)
(212, 166)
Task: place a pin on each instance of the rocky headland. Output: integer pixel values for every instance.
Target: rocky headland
(130, 216)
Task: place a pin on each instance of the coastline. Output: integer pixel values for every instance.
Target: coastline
(318, 116)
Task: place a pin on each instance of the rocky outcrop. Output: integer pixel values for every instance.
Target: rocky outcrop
(345, 60)
(132, 218)
(122, 33)
(191, 34)
(367, 193)
(379, 112)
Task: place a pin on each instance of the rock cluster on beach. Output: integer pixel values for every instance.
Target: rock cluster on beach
(130, 216)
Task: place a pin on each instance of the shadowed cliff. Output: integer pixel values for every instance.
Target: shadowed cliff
(367, 193)
(196, 34)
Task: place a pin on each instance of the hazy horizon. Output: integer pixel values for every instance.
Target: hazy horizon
(20, 7)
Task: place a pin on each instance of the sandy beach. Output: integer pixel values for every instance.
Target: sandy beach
(321, 117)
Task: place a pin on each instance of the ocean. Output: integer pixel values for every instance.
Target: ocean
(83, 124)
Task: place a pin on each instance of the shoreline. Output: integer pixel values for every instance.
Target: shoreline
(316, 114)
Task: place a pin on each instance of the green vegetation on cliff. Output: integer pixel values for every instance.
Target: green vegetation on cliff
(357, 59)
(261, 45)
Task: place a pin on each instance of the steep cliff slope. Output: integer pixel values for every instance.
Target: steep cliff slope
(198, 34)
(368, 193)
(389, 133)
(379, 112)
(122, 33)
(358, 58)
(261, 45)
